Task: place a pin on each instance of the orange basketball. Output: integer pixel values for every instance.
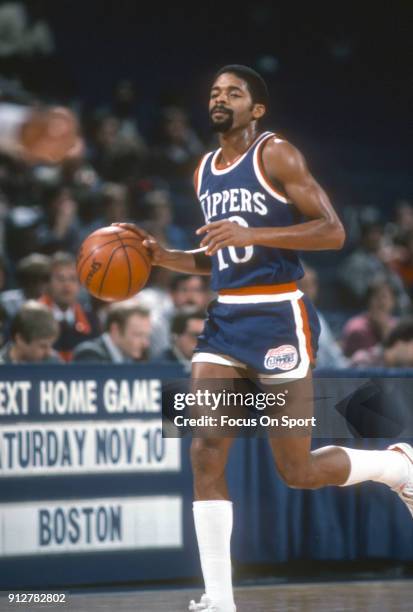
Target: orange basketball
(113, 264)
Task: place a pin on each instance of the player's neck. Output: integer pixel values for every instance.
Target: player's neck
(236, 142)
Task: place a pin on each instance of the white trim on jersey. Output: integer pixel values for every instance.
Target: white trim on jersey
(218, 171)
(261, 179)
(201, 172)
(260, 299)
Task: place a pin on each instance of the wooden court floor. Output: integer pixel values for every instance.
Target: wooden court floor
(388, 596)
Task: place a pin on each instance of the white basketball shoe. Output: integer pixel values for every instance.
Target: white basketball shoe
(206, 605)
(405, 491)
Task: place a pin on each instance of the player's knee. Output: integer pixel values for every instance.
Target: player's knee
(298, 476)
(207, 456)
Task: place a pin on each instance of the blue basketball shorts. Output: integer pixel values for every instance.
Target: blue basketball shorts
(273, 334)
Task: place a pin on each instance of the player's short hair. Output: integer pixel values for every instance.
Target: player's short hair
(120, 313)
(181, 318)
(256, 84)
(403, 331)
(34, 321)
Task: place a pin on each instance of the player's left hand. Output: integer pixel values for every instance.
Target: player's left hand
(220, 234)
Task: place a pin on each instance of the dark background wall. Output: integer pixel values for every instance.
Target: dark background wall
(340, 74)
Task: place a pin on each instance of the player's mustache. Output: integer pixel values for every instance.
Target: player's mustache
(221, 109)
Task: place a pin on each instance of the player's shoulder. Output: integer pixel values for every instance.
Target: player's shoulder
(277, 145)
(280, 153)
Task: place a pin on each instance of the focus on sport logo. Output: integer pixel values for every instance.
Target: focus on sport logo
(283, 357)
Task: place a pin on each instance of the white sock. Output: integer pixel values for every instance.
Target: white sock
(213, 526)
(387, 466)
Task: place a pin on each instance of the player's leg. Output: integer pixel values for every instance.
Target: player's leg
(330, 465)
(212, 508)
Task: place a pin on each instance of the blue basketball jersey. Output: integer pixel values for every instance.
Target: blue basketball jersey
(241, 193)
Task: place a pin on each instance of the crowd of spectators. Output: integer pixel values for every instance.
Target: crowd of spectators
(47, 211)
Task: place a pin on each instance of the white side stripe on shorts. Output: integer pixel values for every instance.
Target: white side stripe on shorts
(259, 299)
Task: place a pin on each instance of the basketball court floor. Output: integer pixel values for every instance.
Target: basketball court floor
(389, 596)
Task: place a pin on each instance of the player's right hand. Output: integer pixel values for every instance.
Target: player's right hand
(143, 234)
(156, 252)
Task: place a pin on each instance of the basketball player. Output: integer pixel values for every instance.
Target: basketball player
(261, 204)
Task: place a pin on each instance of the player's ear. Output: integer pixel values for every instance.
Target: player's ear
(258, 111)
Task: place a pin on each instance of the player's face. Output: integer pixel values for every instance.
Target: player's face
(231, 105)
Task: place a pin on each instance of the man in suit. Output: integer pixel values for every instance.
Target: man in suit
(126, 339)
(186, 326)
(76, 322)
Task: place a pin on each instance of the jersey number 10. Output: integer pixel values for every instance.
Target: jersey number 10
(249, 250)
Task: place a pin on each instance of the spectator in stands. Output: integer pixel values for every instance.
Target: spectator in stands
(329, 353)
(190, 290)
(159, 220)
(114, 156)
(179, 146)
(37, 134)
(3, 322)
(59, 230)
(126, 339)
(113, 207)
(21, 228)
(396, 351)
(403, 262)
(76, 323)
(367, 263)
(33, 276)
(369, 328)
(185, 290)
(33, 332)
(403, 222)
(174, 158)
(124, 109)
(186, 325)
(3, 272)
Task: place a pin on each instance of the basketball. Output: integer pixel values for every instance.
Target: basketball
(113, 264)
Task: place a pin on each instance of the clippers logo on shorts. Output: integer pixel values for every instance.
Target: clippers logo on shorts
(283, 357)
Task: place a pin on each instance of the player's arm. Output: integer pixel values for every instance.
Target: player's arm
(323, 230)
(190, 262)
